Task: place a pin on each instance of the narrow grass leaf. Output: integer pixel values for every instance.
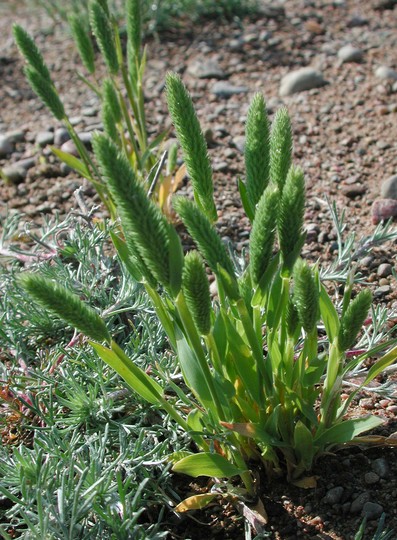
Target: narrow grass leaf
(206, 464)
(135, 377)
(347, 430)
(195, 502)
(72, 161)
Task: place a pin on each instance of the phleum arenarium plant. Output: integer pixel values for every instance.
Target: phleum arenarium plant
(120, 92)
(264, 388)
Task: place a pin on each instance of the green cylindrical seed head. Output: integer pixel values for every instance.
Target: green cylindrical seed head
(192, 141)
(65, 305)
(291, 318)
(290, 217)
(196, 289)
(83, 42)
(280, 148)
(353, 319)
(134, 24)
(141, 219)
(172, 158)
(203, 233)
(306, 296)
(109, 124)
(263, 233)
(103, 32)
(45, 91)
(30, 52)
(111, 98)
(257, 149)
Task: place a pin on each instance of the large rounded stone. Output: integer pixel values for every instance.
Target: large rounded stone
(300, 80)
(388, 188)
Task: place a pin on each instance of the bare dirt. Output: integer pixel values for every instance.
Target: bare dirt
(344, 138)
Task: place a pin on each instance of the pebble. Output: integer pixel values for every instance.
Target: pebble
(26, 163)
(353, 190)
(356, 21)
(367, 261)
(221, 166)
(44, 138)
(358, 504)
(239, 143)
(371, 478)
(366, 403)
(70, 148)
(384, 270)
(206, 69)
(226, 90)
(15, 174)
(381, 291)
(61, 135)
(301, 79)
(333, 495)
(6, 146)
(372, 510)
(383, 209)
(381, 467)
(349, 53)
(16, 136)
(385, 72)
(388, 188)
(89, 111)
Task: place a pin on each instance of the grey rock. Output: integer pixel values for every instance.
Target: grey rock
(86, 138)
(206, 69)
(300, 80)
(89, 111)
(358, 503)
(367, 261)
(353, 190)
(333, 495)
(372, 510)
(16, 136)
(70, 148)
(15, 174)
(349, 53)
(239, 143)
(226, 90)
(44, 138)
(385, 72)
(383, 209)
(381, 467)
(26, 163)
(236, 44)
(6, 146)
(221, 166)
(356, 21)
(382, 291)
(61, 135)
(384, 270)
(371, 478)
(388, 188)
(65, 169)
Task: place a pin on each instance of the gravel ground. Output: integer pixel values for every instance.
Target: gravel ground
(345, 133)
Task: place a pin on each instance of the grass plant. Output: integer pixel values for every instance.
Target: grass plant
(264, 366)
(120, 93)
